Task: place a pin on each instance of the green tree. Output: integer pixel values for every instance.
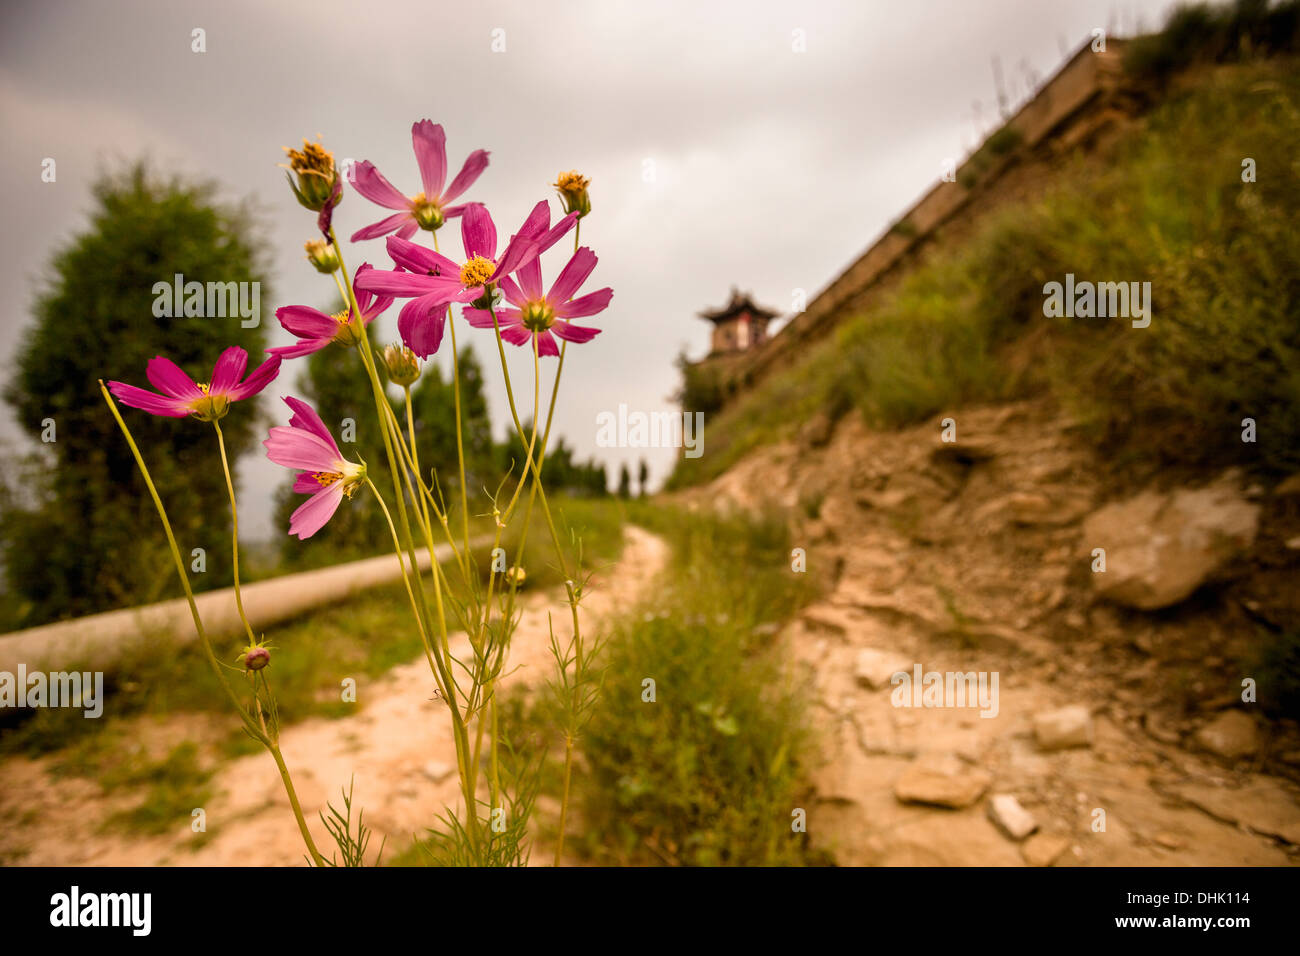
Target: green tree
(88, 538)
(624, 481)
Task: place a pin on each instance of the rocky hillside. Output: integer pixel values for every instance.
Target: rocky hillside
(1155, 698)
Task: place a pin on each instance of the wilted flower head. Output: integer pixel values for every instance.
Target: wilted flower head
(572, 187)
(402, 365)
(321, 254)
(313, 176)
(207, 401)
(325, 474)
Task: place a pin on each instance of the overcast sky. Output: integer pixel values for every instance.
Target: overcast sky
(772, 168)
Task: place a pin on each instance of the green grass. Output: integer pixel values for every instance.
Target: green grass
(712, 770)
(1167, 205)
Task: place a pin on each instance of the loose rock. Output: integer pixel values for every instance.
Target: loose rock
(1061, 729)
(1010, 817)
(1231, 735)
(942, 782)
(1162, 547)
(1043, 849)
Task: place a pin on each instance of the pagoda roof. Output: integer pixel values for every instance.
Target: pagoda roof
(740, 302)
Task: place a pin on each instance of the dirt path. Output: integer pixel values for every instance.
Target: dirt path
(398, 747)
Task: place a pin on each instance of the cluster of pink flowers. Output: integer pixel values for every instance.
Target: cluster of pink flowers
(432, 282)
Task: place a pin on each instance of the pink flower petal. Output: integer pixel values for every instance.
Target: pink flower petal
(516, 334)
(406, 284)
(572, 276)
(422, 261)
(430, 143)
(557, 232)
(476, 162)
(546, 344)
(478, 233)
(574, 333)
(482, 318)
(298, 448)
(520, 251)
(257, 380)
(530, 280)
(371, 183)
(512, 292)
(421, 323)
(539, 219)
(228, 370)
(306, 483)
(304, 347)
(306, 322)
(166, 376)
(151, 402)
(398, 221)
(316, 511)
(305, 417)
(589, 304)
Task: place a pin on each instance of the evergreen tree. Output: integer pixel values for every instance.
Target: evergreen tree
(88, 539)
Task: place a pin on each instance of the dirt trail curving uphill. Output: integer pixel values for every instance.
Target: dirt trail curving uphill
(398, 747)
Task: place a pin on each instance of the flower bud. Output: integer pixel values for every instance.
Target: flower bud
(516, 575)
(321, 254)
(401, 364)
(256, 657)
(572, 187)
(312, 175)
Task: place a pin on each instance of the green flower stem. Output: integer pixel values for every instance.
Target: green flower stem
(406, 580)
(385, 412)
(234, 532)
(257, 732)
(568, 584)
(460, 440)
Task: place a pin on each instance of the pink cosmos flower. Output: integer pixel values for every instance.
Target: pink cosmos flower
(435, 281)
(182, 396)
(534, 313)
(425, 210)
(316, 330)
(324, 473)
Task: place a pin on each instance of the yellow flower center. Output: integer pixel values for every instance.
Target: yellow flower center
(347, 334)
(352, 480)
(476, 272)
(210, 407)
